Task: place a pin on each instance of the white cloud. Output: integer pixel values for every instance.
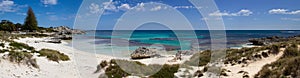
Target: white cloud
(291, 19)
(115, 6)
(49, 2)
(124, 7)
(110, 6)
(283, 11)
(211, 18)
(7, 6)
(242, 12)
(156, 8)
(94, 8)
(140, 7)
(186, 7)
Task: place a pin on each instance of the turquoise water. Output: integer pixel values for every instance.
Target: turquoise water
(101, 39)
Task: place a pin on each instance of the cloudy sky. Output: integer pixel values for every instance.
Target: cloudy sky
(236, 14)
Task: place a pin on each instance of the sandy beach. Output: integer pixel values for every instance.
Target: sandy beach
(86, 63)
(82, 64)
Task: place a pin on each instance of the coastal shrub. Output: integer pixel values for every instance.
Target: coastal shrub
(234, 55)
(291, 52)
(264, 54)
(223, 72)
(18, 57)
(200, 59)
(286, 66)
(2, 45)
(167, 71)
(281, 68)
(3, 50)
(115, 71)
(274, 49)
(20, 46)
(198, 73)
(53, 55)
(22, 57)
(103, 64)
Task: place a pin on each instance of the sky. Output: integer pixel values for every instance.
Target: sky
(109, 14)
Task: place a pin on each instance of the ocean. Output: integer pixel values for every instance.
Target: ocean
(100, 41)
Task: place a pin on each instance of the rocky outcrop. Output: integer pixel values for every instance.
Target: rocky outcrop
(67, 30)
(267, 40)
(256, 42)
(143, 52)
(65, 33)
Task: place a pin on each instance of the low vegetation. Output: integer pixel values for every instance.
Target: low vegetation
(287, 66)
(53, 55)
(167, 71)
(200, 59)
(138, 69)
(235, 55)
(22, 57)
(2, 45)
(20, 46)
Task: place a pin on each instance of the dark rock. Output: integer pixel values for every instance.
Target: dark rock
(267, 40)
(256, 42)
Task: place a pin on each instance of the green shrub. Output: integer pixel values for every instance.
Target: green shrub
(274, 49)
(20, 46)
(53, 55)
(2, 45)
(103, 64)
(138, 69)
(167, 71)
(290, 52)
(237, 54)
(115, 71)
(22, 57)
(3, 50)
(18, 57)
(200, 59)
(287, 65)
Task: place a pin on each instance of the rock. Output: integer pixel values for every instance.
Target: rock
(256, 42)
(67, 30)
(267, 40)
(65, 33)
(143, 52)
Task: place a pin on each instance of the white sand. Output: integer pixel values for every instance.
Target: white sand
(81, 62)
(253, 67)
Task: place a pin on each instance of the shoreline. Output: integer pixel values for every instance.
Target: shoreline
(81, 62)
(86, 62)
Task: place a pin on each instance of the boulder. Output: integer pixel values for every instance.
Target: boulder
(143, 52)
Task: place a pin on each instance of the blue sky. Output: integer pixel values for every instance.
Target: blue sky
(237, 14)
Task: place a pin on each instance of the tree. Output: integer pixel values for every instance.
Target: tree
(30, 21)
(18, 26)
(6, 25)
